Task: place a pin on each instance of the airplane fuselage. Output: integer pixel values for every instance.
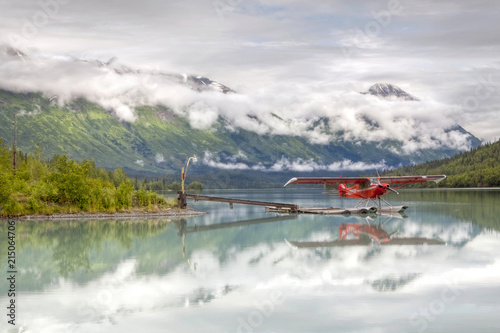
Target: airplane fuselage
(373, 191)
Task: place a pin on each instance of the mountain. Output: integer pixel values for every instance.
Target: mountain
(201, 83)
(160, 141)
(13, 52)
(195, 82)
(149, 122)
(389, 91)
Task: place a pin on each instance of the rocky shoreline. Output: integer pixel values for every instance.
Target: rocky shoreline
(171, 212)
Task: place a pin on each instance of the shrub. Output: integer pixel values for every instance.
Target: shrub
(196, 186)
(124, 195)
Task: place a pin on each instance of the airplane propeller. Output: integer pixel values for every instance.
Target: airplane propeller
(391, 189)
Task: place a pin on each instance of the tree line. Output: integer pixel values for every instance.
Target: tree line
(64, 185)
(162, 184)
(478, 167)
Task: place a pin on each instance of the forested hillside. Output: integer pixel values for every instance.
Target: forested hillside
(160, 140)
(63, 185)
(479, 167)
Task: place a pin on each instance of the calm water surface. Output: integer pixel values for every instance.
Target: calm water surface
(203, 274)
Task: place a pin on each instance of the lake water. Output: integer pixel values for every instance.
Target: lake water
(203, 274)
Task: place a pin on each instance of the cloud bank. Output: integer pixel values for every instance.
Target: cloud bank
(320, 113)
(281, 55)
(237, 162)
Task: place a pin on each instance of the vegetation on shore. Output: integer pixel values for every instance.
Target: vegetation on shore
(162, 185)
(478, 167)
(63, 185)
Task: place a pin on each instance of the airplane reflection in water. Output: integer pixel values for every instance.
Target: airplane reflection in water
(356, 234)
(368, 231)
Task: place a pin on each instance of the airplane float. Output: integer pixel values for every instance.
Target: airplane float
(368, 188)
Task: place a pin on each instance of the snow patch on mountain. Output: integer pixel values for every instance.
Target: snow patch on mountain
(389, 91)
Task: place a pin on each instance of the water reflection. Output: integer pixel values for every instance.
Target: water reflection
(79, 251)
(233, 271)
(183, 228)
(368, 232)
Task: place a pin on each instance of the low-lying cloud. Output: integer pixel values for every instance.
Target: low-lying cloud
(319, 113)
(285, 164)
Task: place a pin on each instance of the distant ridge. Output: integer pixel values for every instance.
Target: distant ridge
(479, 167)
(195, 82)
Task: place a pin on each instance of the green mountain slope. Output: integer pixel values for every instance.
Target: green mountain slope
(479, 167)
(160, 141)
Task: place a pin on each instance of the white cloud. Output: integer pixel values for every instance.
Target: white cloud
(283, 57)
(159, 158)
(238, 162)
(301, 165)
(201, 116)
(318, 113)
(33, 113)
(213, 161)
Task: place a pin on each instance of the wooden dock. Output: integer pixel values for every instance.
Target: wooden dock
(231, 201)
(287, 208)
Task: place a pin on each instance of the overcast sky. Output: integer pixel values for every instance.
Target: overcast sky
(443, 52)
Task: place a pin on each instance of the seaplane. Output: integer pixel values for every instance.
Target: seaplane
(368, 189)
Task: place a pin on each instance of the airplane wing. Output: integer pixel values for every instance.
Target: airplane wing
(328, 180)
(397, 180)
(403, 180)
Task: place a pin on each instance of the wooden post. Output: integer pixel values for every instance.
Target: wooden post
(181, 199)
